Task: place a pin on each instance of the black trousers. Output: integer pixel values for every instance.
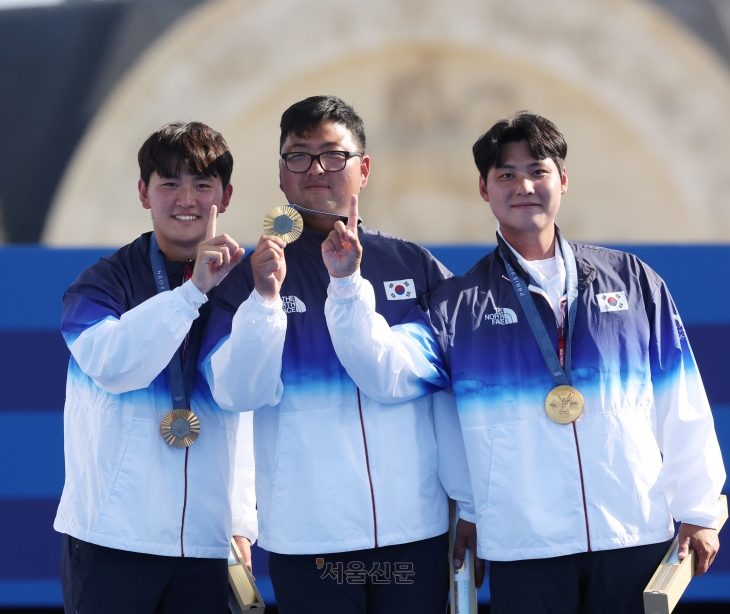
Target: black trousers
(604, 582)
(99, 580)
(398, 579)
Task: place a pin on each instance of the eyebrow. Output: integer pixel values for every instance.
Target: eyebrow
(195, 177)
(512, 166)
(309, 145)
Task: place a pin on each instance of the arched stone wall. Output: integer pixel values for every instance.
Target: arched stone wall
(644, 106)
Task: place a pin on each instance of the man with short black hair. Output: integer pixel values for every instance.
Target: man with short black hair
(145, 509)
(350, 497)
(585, 421)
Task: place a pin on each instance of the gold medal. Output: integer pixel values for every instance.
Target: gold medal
(284, 222)
(564, 404)
(180, 428)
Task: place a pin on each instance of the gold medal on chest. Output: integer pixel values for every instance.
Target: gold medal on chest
(180, 428)
(564, 404)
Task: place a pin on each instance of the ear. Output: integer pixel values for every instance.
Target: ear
(364, 171)
(483, 189)
(564, 181)
(226, 200)
(144, 195)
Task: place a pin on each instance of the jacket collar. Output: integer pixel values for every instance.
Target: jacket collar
(586, 272)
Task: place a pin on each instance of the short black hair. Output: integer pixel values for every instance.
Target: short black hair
(542, 136)
(305, 116)
(197, 146)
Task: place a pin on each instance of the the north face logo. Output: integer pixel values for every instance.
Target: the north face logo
(500, 315)
(291, 304)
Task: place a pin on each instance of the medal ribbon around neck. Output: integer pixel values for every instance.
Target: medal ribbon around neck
(180, 427)
(564, 404)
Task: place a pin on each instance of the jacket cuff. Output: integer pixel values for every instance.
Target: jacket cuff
(193, 297)
(266, 305)
(181, 302)
(242, 530)
(345, 287)
(702, 522)
(468, 517)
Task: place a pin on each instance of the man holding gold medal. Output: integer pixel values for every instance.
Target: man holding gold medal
(585, 421)
(146, 509)
(351, 492)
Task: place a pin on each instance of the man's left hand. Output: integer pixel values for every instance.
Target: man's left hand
(245, 547)
(466, 535)
(341, 250)
(217, 255)
(704, 542)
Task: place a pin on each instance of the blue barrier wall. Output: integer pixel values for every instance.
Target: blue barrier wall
(33, 359)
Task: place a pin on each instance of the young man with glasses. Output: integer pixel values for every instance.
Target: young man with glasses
(584, 416)
(350, 491)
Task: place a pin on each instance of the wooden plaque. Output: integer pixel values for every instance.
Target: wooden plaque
(243, 596)
(673, 576)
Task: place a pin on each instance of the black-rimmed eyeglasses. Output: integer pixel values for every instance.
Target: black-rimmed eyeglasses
(330, 161)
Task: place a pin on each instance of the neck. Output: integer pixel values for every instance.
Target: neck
(323, 223)
(175, 252)
(537, 245)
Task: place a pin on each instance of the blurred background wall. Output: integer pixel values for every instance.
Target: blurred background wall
(641, 89)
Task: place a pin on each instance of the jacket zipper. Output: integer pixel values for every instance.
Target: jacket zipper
(186, 276)
(561, 356)
(367, 464)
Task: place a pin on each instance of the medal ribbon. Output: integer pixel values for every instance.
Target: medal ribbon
(181, 381)
(561, 374)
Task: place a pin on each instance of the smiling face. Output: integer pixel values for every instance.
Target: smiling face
(524, 193)
(317, 189)
(180, 207)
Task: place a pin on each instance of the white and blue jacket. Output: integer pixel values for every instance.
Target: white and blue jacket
(644, 451)
(336, 470)
(125, 487)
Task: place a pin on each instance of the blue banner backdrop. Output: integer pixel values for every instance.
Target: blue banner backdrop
(33, 360)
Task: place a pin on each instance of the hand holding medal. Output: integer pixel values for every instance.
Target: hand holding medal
(285, 223)
(282, 225)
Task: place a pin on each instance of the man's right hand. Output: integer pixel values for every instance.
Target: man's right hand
(341, 250)
(269, 266)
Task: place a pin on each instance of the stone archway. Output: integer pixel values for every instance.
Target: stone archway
(644, 106)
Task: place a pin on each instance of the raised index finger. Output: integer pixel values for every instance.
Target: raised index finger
(212, 218)
(353, 216)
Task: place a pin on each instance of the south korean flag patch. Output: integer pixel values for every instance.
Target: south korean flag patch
(613, 301)
(400, 289)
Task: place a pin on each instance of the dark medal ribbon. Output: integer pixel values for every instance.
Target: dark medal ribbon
(564, 404)
(180, 427)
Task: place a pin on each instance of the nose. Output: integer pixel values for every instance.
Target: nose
(186, 196)
(316, 168)
(525, 185)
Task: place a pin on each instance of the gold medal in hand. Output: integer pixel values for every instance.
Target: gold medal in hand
(284, 222)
